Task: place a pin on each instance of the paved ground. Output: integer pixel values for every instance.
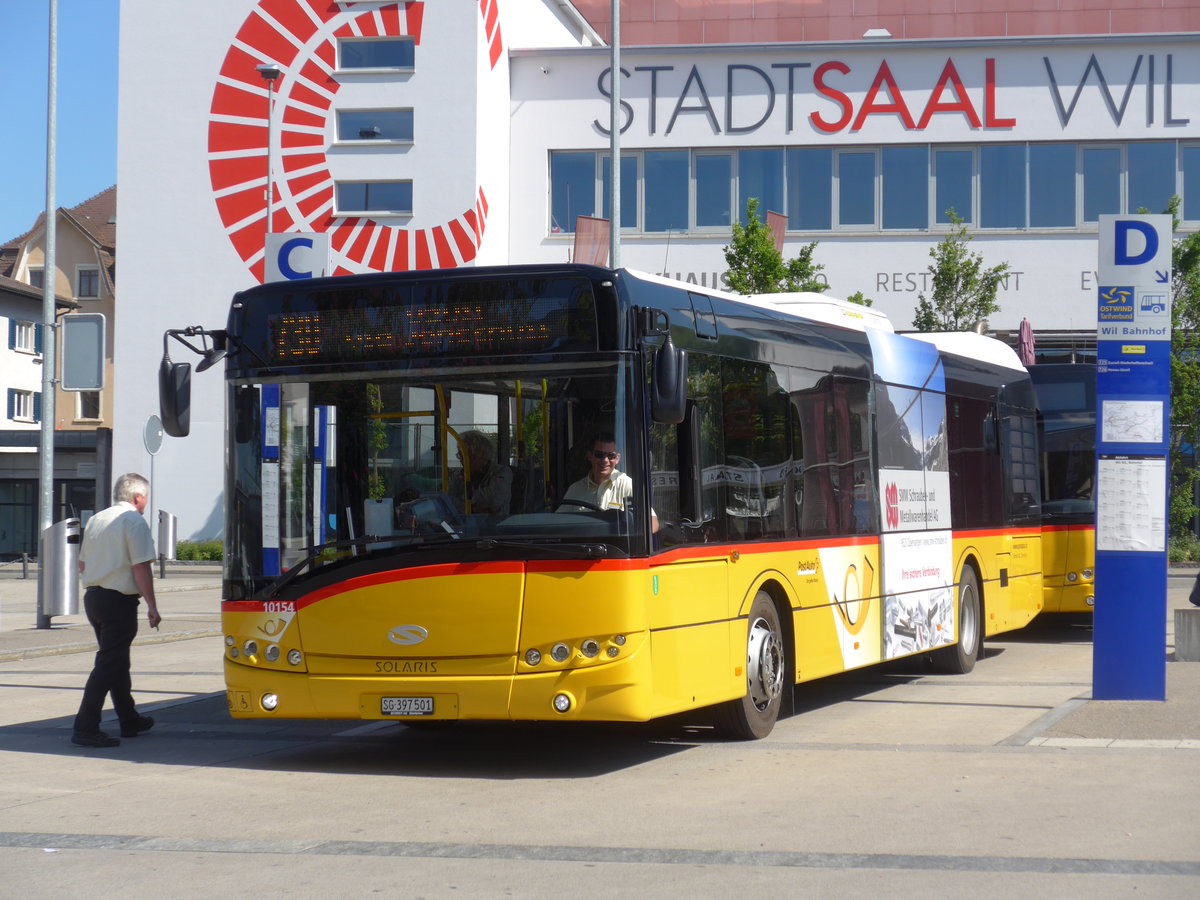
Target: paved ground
(189, 600)
(889, 781)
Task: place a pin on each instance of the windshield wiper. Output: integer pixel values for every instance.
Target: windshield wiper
(587, 551)
(282, 581)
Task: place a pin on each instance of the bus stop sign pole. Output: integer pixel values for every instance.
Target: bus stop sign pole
(1133, 415)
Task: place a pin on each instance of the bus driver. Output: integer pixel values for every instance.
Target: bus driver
(605, 486)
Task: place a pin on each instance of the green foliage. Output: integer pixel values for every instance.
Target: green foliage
(1183, 549)
(377, 443)
(857, 297)
(199, 550)
(964, 292)
(756, 267)
(1185, 373)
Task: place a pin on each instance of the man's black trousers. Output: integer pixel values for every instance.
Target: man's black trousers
(114, 617)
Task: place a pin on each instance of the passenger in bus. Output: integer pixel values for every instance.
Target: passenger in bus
(605, 486)
(489, 487)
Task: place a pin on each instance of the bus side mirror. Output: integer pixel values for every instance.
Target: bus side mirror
(668, 388)
(175, 397)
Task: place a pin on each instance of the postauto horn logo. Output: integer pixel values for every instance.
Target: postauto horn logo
(891, 503)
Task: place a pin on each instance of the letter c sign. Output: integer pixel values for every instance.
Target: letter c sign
(296, 256)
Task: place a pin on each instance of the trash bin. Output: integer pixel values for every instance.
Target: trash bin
(58, 588)
(167, 524)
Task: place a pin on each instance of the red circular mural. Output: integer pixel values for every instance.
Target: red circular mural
(300, 36)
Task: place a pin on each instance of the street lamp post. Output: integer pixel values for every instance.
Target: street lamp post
(49, 326)
(270, 74)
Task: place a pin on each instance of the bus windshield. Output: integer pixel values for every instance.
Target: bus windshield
(480, 462)
(1066, 397)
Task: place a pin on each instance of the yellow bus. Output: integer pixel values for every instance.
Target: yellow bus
(570, 493)
(1066, 396)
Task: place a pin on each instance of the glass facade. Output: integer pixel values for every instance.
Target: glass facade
(1016, 186)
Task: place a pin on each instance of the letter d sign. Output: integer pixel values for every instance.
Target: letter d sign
(296, 255)
(1122, 240)
(1135, 250)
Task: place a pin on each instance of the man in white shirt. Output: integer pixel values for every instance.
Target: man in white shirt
(604, 487)
(114, 560)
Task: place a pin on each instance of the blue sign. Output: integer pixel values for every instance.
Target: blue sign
(295, 256)
(1133, 414)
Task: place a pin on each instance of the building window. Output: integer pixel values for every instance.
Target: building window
(810, 189)
(1189, 162)
(87, 280)
(25, 337)
(24, 406)
(89, 404)
(1151, 168)
(666, 190)
(714, 190)
(1101, 182)
(37, 278)
(392, 197)
(1002, 186)
(760, 174)
(383, 53)
(375, 125)
(572, 189)
(856, 188)
(629, 190)
(906, 187)
(1052, 185)
(953, 185)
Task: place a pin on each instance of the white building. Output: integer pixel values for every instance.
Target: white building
(425, 134)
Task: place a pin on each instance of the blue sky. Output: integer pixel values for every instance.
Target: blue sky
(87, 106)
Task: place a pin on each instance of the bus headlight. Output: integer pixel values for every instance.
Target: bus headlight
(1088, 573)
(269, 702)
(294, 657)
(560, 652)
(533, 657)
(589, 648)
(250, 648)
(1072, 577)
(272, 652)
(562, 703)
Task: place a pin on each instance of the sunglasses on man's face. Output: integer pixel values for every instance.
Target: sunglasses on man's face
(600, 454)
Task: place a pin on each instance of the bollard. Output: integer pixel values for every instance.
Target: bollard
(58, 573)
(1187, 634)
(166, 540)
(24, 566)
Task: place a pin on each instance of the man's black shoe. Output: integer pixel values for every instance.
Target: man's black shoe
(133, 729)
(94, 739)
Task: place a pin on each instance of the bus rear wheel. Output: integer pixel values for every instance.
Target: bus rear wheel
(959, 659)
(753, 716)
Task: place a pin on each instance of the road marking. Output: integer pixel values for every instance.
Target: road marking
(632, 855)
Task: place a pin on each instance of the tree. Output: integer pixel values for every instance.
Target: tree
(857, 297)
(1185, 374)
(964, 292)
(756, 267)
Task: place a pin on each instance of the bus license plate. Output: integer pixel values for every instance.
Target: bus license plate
(406, 706)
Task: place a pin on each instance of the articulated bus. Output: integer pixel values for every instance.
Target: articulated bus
(800, 495)
(1066, 396)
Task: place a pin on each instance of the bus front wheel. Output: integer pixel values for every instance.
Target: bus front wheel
(753, 716)
(959, 659)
